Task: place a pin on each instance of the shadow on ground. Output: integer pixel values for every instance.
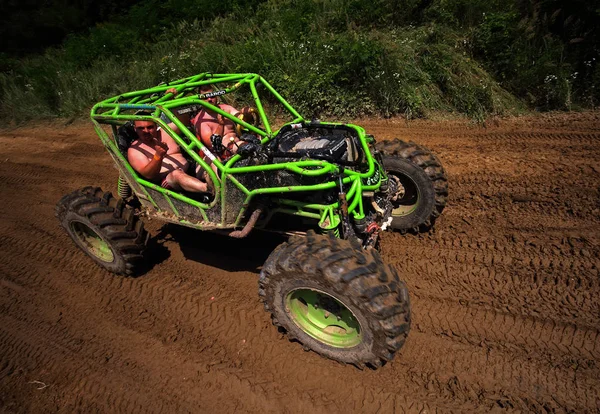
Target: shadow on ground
(218, 250)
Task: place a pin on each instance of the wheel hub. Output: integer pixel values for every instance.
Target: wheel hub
(396, 189)
(92, 242)
(404, 195)
(323, 317)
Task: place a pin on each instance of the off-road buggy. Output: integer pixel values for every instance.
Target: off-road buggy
(328, 185)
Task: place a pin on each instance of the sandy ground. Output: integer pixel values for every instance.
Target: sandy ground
(505, 291)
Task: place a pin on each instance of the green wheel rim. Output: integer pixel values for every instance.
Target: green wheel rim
(323, 317)
(409, 200)
(92, 242)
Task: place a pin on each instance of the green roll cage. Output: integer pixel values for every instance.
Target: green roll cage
(119, 109)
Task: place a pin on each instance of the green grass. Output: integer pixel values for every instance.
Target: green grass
(326, 61)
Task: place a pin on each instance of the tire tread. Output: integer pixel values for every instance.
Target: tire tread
(360, 280)
(431, 165)
(112, 219)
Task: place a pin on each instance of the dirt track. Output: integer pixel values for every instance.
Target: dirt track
(505, 291)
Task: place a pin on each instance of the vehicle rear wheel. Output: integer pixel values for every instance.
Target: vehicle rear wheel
(418, 182)
(336, 299)
(105, 228)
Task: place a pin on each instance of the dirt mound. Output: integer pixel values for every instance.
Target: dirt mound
(505, 290)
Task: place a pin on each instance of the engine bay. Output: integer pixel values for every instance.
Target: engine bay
(338, 144)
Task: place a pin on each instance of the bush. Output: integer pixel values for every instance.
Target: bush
(331, 58)
(104, 40)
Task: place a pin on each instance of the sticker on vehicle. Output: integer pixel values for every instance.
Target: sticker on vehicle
(213, 94)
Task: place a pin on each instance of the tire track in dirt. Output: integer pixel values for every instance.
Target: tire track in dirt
(541, 139)
(498, 377)
(86, 374)
(167, 301)
(122, 290)
(541, 287)
(476, 325)
(508, 190)
(164, 296)
(128, 294)
(97, 353)
(514, 291)
(507, 185)
(25, 177)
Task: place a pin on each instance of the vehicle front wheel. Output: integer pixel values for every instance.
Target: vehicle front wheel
(105, 228)
(418, 183)
(336, 299)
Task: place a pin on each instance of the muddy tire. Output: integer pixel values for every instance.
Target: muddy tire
(421, 181)
(104, 228)
(336, 299)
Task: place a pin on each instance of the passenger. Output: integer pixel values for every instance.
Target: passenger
(184, 113)
(214, 130)
(157, 157)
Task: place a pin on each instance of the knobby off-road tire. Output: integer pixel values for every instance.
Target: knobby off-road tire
(104, 228)
(423, 181)
(336, 299)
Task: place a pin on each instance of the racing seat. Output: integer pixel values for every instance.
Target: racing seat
(125, 136)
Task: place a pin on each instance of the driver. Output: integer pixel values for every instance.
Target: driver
(157, 157)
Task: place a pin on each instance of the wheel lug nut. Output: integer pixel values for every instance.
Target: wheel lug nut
(327, 314)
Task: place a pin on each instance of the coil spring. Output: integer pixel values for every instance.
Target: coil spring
(123, 188)
(336, 232)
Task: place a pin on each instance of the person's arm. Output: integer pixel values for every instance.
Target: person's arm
(205, 133)
(229, 109)
(171, 144)
(172, 125)
(139, 162)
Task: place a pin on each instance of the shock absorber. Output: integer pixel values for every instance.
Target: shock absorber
(347, 230)
(123, 188)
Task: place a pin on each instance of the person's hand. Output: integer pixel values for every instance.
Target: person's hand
(171, 90)
(216, 141)
(161, 149)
